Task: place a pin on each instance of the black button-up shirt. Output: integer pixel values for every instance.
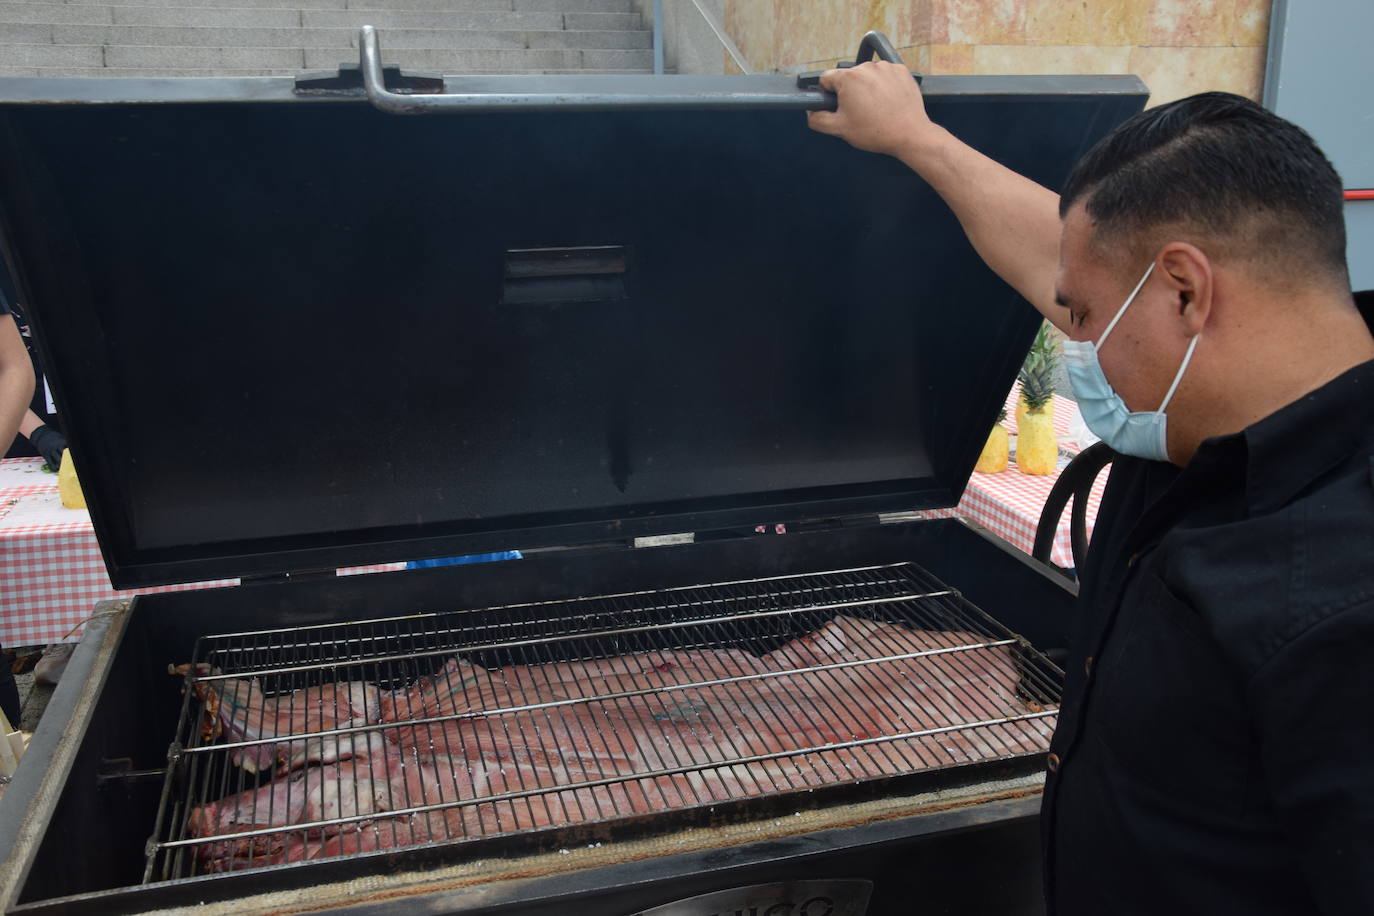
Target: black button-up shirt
(1215, 749)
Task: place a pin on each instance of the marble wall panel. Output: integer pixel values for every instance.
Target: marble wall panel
(753, 26)
(1251, 25)
(1094, 23)
(994, 22)
(1187, 23)
(1172, 73)
(1176, 46)
(1050, 59)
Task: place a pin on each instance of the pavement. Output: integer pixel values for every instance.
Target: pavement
(33, 698)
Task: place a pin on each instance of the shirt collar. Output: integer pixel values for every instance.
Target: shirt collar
(1299, 443)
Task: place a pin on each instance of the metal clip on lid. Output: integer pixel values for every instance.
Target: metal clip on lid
(349, 79)
(874, 43)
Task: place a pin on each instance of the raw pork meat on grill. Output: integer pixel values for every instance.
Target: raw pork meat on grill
(622, 731)
(238, 710)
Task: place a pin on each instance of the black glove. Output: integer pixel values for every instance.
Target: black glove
(50, 443)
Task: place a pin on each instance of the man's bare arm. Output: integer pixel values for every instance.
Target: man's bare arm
(16, 379)
(1012, 222)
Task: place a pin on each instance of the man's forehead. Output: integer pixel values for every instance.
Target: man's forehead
(1081, 255)
(1075, 230)
(1085, 273)
(1071, 250)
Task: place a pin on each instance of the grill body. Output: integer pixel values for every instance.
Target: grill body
(962, 836)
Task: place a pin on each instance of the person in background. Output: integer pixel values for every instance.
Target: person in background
(47, 440)
(16, 389)
(39, 431)
(16, 374)
(1213, 748)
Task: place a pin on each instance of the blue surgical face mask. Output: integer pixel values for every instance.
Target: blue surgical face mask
(1142, 433)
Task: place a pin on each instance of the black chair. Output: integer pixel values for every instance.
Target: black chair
(1075, 482)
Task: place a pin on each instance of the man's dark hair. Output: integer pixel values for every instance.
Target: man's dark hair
(1220, 163)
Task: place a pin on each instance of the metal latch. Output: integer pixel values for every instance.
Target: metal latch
(874, 43)
(271, 578)
(348, 79)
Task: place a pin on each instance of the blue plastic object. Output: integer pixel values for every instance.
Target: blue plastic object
(463, 561)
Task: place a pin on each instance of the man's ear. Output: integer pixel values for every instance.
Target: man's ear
(1188, 274)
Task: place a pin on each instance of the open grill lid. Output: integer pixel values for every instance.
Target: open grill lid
(288, 331)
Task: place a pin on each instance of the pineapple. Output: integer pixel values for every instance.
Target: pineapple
(1037, 451)
(993, 460)
(1043, 350)
(67, 485)
(1021, 411)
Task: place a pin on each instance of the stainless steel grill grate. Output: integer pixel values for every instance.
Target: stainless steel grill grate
(345, 738)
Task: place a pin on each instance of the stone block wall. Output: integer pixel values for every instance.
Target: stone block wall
(1178, 47)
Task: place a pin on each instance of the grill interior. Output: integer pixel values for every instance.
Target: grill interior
(443, 727)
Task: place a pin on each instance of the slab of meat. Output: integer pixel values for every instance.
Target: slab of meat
(524, 747)
(238, 710)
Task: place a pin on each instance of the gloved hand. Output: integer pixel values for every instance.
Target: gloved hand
(50, 443)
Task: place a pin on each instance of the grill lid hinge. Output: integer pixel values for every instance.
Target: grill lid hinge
(348, 79)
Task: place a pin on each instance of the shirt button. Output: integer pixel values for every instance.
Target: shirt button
(1135, 558)
(1088, 666)
(1052, 763)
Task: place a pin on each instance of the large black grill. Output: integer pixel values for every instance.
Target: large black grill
(289, 332)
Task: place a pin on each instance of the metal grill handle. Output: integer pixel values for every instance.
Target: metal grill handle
(876, 42)
(384, 99)
(873, 43)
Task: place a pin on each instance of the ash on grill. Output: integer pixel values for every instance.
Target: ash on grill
(330, 740)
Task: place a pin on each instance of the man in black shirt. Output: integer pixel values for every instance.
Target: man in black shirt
(1215, 749)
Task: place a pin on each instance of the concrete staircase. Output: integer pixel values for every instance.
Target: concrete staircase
(149, 38)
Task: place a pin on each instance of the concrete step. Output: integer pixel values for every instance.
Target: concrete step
(561, 6)
(489, 61)
(153, 57)
(154, 72)
(320, 38)
(20, 55)
(443, 60)
(484, 20)
(268, 4)
(101, 14)
(586, 39)
(48, 13)
(206, 16)
(30, 33)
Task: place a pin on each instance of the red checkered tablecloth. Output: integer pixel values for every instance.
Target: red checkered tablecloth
(1009, 503)
(51, 571)
(22, 476)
